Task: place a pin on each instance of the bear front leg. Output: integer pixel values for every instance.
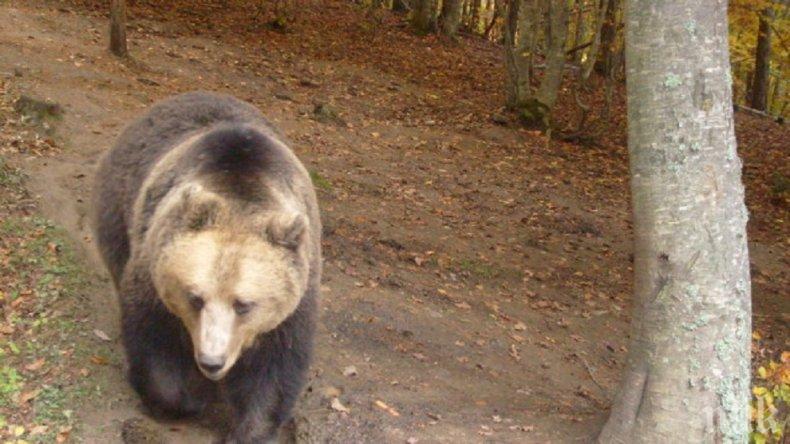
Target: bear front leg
(161, 368)
(265, 383)
(262, 399)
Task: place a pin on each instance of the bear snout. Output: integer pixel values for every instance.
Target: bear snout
(211, 364)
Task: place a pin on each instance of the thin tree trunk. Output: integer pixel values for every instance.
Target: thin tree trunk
(519, 42)
(499, 11)
(118, 28)
(579, 31)
(424, 19)
(687, 373)
(592, 55)
(555, 52)
(400, 6)
(474, 20)
(608, 37)
(762, 62)
(451, 16)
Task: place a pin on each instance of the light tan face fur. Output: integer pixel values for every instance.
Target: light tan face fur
(227, 271)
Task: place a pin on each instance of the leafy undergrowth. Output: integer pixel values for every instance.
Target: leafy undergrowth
(47, 356)
(770, 407)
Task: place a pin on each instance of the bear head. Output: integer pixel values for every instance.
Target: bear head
(230, 274)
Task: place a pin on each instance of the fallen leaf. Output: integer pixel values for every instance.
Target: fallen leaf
(386, 408)
(101, 335)
(26, 397)
(514, 352)
(38, 430)
(463, 306)
(337, 405)
(35, 365)
(63, 434)
(99, 360)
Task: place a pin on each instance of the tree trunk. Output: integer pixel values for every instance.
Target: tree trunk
(118, 28)
(399, 6)
(589, 62)
(451, 16)
(474, 19)
(520, 26)
(762, 62)
(603, 61)
(557, 36)
(499, 11)
(424, 18)
(687, 373)
(579, 30)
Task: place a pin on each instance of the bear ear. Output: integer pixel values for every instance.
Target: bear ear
(201, 215)
(199, 208)
(287, 229)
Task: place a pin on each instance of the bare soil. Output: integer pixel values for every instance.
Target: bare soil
(476, 279)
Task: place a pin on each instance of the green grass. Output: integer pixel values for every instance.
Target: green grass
(10, 177)
(10, 385)
(478, 268)
(320, 181)
(42, 284)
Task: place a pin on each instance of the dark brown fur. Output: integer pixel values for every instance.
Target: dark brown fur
(236, 151)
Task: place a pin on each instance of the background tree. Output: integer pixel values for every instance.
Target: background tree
(592, 55)
(473, 19)
(762, 61)
(753, 37)
(118, 28)
(608, 36)
(500, 8)
(424, 16)
(519, 39)
(687, 375)
(556, 38)
(451, 16)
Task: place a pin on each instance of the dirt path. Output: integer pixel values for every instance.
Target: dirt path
(448, 285)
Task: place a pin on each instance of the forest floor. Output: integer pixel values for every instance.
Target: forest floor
(477, 278)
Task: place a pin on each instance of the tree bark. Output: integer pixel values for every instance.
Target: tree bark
(424, 18)
(608, 37)
(520, 31)
(118, 28)
(451, 16)
(762, 62)
(589, 62)
(687, 373)
(557, 36)
(474, 19)
(400, 6)
(499, 11)
(579, 30)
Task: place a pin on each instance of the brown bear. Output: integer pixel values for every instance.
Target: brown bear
(209, 226)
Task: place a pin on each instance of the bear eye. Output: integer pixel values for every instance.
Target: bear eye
(241, 307)
(196, 301)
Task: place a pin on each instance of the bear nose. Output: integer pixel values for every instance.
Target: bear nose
(211, 364)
